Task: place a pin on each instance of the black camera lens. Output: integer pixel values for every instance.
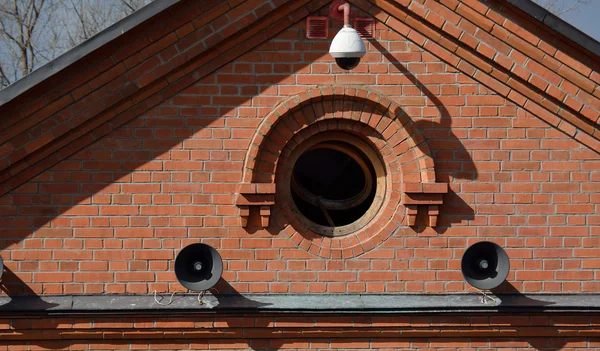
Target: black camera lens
(347, 63)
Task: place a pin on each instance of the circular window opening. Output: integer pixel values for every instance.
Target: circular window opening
(337, 183)
(332, 184)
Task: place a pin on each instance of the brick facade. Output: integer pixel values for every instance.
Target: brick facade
(268, 332)
(107, 175)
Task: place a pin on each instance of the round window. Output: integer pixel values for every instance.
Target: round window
(336, 184)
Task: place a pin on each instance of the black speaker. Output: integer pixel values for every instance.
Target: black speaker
(198, 267)
(1, 267)
(485, 265)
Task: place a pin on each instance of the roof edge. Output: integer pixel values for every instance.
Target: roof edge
(301, 303)
(80, 51)
(558, 25)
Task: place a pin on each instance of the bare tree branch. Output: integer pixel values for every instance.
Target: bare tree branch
(560, 7)
(33, 32)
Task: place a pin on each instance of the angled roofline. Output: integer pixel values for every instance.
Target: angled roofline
(126, 24)
(80, 51)
(557, 24)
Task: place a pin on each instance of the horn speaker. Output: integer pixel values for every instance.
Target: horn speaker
(198, 267)
(485, 265)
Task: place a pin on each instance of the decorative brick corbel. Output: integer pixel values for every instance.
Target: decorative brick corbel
(258, 195)
(411, 214)
(433, 212)
(430, 195)
(265, 213)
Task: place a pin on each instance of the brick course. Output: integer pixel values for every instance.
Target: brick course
(132, 199)
(106, 176)
(295, 332)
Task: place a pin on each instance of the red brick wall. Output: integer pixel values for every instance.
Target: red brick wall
(533, 343)
(250, 331)
(296, 332)
(112, 218)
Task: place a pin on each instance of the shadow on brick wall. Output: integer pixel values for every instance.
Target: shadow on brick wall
(440, 139)
(274, 344)
(22, 297)
(227, 295)
(128, 205)
(439, 134)
(510, 296)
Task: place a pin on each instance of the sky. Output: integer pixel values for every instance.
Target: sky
(582, 14)
(586, 18)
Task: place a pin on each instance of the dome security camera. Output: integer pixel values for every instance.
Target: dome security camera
(347, 48)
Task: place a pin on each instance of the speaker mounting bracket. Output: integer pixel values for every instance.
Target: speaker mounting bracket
(429, 195)
(255, 195)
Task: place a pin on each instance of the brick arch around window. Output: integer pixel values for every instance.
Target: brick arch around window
(369, 115)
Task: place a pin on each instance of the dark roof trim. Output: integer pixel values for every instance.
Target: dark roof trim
(551, 20)
(63, 61)
(299, 303)
(123, 26)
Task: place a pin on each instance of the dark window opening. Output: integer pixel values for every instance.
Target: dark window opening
(333, 184)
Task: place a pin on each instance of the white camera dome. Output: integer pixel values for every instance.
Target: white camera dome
(347, 48)
(347, 44)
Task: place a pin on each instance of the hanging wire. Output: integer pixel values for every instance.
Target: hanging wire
(485, 298)
(203, 293)
(200, 296)
(170, 300)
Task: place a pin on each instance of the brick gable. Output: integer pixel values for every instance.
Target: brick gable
(492, 42)
(158, 159)
(127, 78)
(111, 217)
(500, 47)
